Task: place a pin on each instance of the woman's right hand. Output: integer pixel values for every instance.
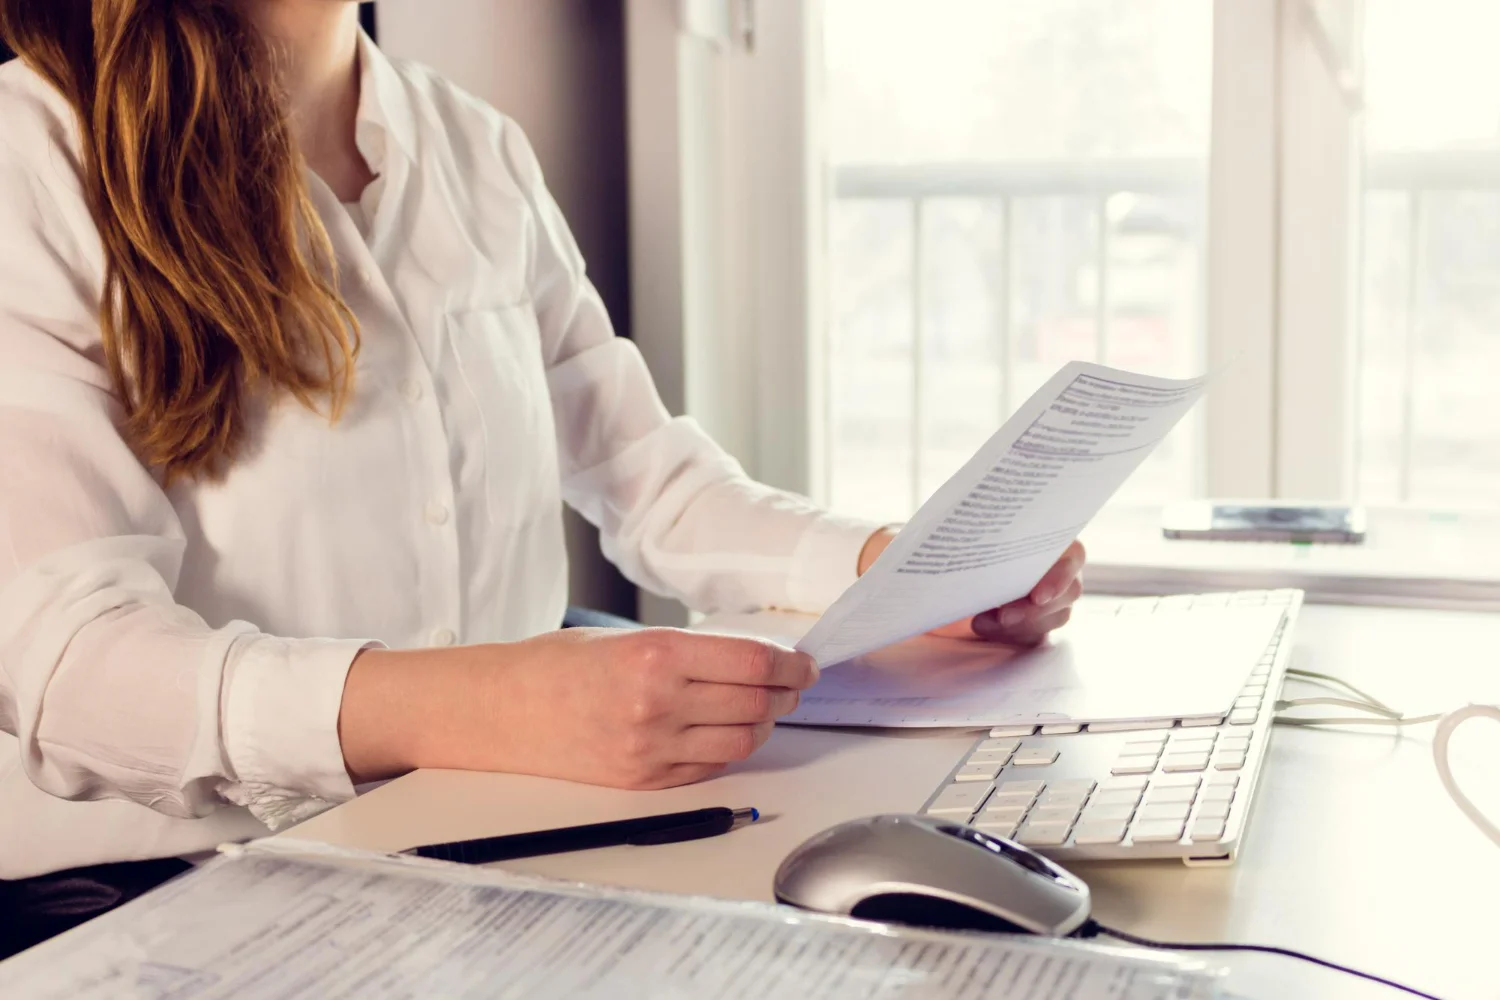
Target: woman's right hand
(633, 709)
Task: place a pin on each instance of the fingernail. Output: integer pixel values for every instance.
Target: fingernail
(1011, 617)
(1042, 596)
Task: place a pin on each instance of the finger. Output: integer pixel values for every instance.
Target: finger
(1029, 634)
(709, 704)
(1056, 579)
(1020, 614)
(720, 744)
(731, 660)
(1066, 599)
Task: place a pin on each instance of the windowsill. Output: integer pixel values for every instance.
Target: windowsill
(1411, 557)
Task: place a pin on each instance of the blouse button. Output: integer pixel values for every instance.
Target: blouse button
(443, 637)
(412, 390)
(437, 513)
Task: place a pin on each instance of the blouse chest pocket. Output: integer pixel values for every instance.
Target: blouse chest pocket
(498, 390)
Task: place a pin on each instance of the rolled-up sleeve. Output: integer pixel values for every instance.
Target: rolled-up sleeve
(112, 688)
(676, 513)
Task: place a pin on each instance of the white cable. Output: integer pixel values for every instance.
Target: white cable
(1327, 680)
(1440, 739)
(1384, 715)
(1358, 706)
(1357, 720)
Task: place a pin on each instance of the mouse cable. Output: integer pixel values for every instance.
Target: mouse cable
(1329, 680)
(1093, 928)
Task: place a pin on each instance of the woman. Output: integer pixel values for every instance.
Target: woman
(299, 365)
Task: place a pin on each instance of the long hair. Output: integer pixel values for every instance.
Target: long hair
(219, 277)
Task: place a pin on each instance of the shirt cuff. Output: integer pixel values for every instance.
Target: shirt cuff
(826, 561)
(281, 726)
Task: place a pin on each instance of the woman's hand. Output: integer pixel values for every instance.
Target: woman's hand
(1025, 622)
(632, 709)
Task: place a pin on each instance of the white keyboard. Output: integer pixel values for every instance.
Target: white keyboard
(1174, 788)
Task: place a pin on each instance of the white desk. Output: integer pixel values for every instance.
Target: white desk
(1354, 853)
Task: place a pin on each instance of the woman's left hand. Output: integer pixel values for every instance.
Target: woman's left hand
(1024, 622)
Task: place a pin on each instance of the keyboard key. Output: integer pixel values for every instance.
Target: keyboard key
(1117, 784)
(997, 828)
(1176, 781)
(1223, 780)
(1229, 762)
(1033, 758)
(1012, 800)
(1053, 814)
(1214, 810)
(1000, 746)
(1247, 701)
(1108, 811)
(1117, 797)
(1104, 832)
(1061, 728)
(1133, 765)
(977, 772)
(1192, 744)
(1004, 731)
(1135, 749)
(1243, 717)
(1002, 814)
(1174, 762)
(986, 756)
(1073, 786)
(1206, 829)
(1235, 743)
(1177, 794)
(1205, 720)
(1128, 727)
(960, 800)
(1157, 832)
(1043, 834)
(1032, 788)
(1055, 800)
(1163, 811)
(1218, 793)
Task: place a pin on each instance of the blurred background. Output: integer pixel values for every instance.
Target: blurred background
(1032, 187)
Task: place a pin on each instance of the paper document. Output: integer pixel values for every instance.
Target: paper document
(274, 924)
(1097, 669)
(989, 533)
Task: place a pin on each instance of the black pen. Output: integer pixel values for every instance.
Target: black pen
(668, 829)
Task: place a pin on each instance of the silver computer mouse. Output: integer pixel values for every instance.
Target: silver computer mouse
(931, 872)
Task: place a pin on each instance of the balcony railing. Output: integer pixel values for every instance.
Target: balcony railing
(1416, 176)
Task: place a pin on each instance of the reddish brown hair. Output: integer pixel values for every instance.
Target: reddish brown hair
(219, 276)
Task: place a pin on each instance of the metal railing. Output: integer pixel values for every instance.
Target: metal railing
(1416, 175)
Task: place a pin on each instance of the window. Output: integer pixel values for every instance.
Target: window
(1013, 186)
(929, 205)
(1429, 324)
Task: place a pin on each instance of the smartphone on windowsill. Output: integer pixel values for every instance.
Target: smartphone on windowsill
(1261, 521)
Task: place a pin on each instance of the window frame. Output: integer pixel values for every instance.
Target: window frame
(728, 247)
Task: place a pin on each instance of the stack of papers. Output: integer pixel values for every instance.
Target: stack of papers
(286, 920)
(1179, 665)
(985, 538)
(989, 533)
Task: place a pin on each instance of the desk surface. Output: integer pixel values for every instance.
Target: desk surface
(1354, 851)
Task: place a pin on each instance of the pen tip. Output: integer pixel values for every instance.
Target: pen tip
(754, 814)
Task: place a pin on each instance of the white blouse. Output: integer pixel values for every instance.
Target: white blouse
(172, 661)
